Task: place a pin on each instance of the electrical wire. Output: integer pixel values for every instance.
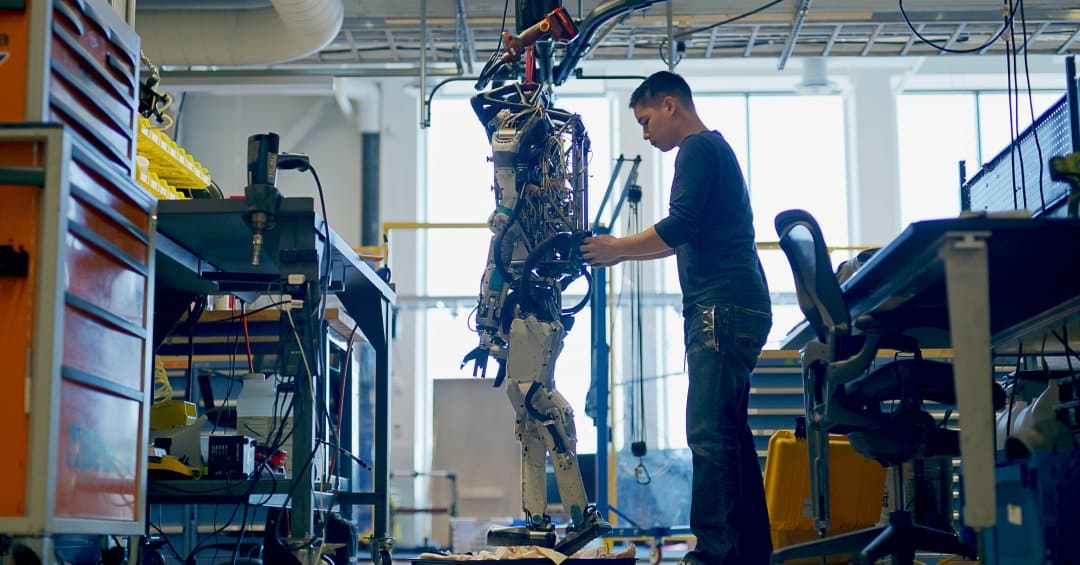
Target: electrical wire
(168, 544)
(255, 311)
(232, 379)
(247, 339)
(1031, 108)
(240, 538)
(1014, 102)
(930, 42)
(218, 531)
(341, 392)
(348, 454)
(728, 21)
(1009, 99)
(328, 250)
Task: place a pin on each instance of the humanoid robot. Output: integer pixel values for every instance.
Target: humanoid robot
(540, 155)
(540, 218)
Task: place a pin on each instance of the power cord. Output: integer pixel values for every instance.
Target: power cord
(1031, 106)
(302, 162)
(686, 34)
(930, 42)
(1013, 94)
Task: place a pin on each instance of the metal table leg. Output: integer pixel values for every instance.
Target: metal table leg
(967, 287)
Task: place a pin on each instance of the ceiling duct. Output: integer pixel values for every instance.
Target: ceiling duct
(815, 78)
(287, 30)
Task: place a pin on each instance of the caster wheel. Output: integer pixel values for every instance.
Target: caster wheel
(656, 555)
(384, 558)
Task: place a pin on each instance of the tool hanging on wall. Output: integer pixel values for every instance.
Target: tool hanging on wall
(152, 101)
(638, 447)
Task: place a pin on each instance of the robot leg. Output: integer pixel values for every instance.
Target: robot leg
(538, 529)
(561, 440)
(545, 423)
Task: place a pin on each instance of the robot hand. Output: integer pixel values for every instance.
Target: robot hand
(479, 357)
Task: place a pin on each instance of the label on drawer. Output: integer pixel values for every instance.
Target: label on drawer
(97, 454)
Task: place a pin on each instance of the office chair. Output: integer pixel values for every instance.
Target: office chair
(879, 409)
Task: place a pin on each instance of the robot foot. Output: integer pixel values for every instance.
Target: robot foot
(594, 527)
(521, 535)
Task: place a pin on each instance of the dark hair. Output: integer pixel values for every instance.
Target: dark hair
(662, 84)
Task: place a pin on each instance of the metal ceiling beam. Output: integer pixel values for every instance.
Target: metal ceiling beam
(352, 45)
(468, 45)
(1065, 46)
(832, 40)
(990, 44)
(393, 46)
(306, 70)
(911, 40)
(1034, 36)
(954, 37)
(749, 42)
(796, 26)
(870, 42)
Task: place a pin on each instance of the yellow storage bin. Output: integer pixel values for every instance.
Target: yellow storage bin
(857, 486)
(168, 160)
(172, 414)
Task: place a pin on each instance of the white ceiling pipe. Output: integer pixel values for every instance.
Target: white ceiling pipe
(360, 100)
(289, 30)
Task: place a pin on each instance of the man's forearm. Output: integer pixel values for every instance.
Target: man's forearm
(658, 255)
(646, 244)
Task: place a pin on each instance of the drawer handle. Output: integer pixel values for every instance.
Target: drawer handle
(71, 17)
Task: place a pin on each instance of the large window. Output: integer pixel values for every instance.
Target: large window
(791, 149)
(938, 130)
(792, 153)
(459, 190)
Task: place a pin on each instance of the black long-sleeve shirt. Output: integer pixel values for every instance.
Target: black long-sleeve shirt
(711, 227)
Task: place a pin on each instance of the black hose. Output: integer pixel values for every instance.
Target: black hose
(585, 300)
(504, 269)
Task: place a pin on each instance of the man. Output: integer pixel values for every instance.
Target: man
(727, 316)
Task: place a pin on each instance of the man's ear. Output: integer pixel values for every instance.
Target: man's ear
(668, 104)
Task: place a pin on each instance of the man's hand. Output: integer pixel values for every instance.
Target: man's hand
(601, 251)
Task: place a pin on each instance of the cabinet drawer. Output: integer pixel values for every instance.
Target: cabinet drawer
(93, 80)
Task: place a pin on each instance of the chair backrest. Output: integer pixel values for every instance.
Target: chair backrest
(818, 291)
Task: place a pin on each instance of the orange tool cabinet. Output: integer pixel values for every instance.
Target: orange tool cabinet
(75, 358)
(73, 62)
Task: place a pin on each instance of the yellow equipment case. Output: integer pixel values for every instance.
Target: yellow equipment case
(855, 497)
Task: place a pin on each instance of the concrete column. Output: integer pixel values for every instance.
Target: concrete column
(872, 158)
(401, 184)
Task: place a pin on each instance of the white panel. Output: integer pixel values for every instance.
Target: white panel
(474, 437)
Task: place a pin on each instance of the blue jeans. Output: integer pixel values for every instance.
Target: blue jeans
(727, 510)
